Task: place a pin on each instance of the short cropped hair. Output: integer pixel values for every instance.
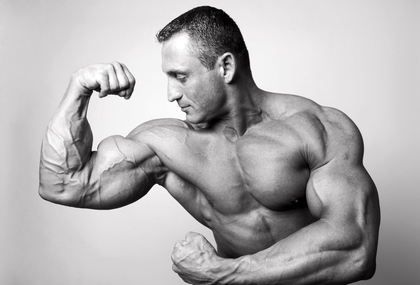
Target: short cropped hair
(213, 32)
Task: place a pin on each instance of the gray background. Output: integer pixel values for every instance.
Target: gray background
(359, 56)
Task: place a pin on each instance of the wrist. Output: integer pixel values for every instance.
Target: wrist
(76, 89)
(74, 103)
(229, 271)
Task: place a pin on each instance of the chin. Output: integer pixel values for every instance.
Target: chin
(197, 118)
(192, 119)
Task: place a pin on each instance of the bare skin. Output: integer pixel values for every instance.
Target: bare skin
(277, 178)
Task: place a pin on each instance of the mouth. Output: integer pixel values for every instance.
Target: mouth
(184, 108)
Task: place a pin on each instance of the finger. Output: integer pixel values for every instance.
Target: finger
(191, 236)
(181, 274)
(186, 279)
(123, 83)
(114, 84)
(177, 248)
(104, 88)
(131, 80)
(179, 245)
(176, 269)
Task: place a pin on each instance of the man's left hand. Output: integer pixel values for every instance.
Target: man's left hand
(195, 260)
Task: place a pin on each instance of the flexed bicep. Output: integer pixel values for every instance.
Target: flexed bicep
(120, 172)
(123, 171)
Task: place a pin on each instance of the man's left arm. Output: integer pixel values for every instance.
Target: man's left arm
(339, 248)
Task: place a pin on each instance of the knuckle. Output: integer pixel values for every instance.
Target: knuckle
(108, 67)
(132, 81)
(124, 83)
(104, 81)
(192, 235)
(174, 258)
(176, 246)
(105, 89)
(175, 268)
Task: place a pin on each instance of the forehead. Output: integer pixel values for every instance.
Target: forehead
(177, 54)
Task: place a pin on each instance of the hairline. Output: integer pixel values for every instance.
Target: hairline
(193, 46)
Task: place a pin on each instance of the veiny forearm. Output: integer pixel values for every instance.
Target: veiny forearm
(317, 254)
(67, 142)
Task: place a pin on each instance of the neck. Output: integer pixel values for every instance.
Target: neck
(242, 109)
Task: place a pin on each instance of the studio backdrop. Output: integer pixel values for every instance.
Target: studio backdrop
(361, 57)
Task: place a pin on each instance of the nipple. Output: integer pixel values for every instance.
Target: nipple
(299, 202)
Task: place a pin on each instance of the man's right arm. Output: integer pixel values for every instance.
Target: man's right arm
(120, 172)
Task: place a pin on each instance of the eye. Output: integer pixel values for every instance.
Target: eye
(181, 77)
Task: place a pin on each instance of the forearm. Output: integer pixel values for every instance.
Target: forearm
(68, 139)
(317, 254)
(67, 143)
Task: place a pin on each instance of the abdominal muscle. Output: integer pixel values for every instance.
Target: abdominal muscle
(256, 230)
(244, 227)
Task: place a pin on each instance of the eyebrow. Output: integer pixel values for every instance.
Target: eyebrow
(175, 71)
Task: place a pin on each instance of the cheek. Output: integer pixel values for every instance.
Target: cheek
(209, 92)
(219, 93)
(211, 97)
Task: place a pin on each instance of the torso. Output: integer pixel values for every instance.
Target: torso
(250, 190)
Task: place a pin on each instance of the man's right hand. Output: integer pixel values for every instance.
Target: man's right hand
(107, 79)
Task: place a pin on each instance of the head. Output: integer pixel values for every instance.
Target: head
(201, 93)
(212, 33)
(202, 52)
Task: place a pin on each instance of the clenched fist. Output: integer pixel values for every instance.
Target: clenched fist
(106, 78)
(195, 260)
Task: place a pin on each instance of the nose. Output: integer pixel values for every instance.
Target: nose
(173, 93)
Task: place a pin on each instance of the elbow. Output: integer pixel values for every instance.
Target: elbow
(364, 264)
(59, 189)
(368, 268)
(360, 261)
(51, 184)
(57, 194)
(364, 269)
(51, 193)
(44, 193)
(369, 272)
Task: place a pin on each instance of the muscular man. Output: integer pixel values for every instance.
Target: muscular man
(277, 178)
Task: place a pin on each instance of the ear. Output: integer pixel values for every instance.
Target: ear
(227, 66)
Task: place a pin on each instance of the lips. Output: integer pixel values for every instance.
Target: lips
(183, 107)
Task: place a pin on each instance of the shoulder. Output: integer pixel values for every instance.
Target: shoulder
(166, 126)
(170, 139)
(141, 140)
(343, 138)
(325, 133)
(336, 137)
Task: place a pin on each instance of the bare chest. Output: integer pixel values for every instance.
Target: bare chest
(259, 169)
(273, 170)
